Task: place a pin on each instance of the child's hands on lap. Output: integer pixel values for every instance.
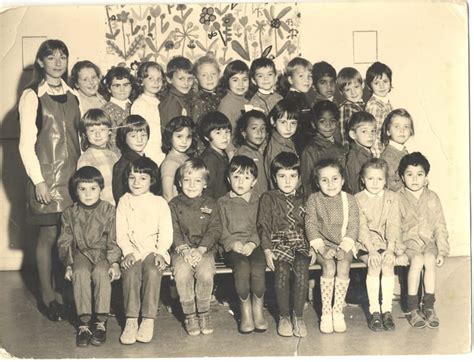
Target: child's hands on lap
(160, 262)
(327, 253)
(188, 257)
(340, 254)
(374, 259)
(248, 248)
(114, 272)
(401, 260)
(237, 247)
(269, 256)
(202, 249)
(313, 256)
(439, 260)
(388, 257)
(128, 261)
(196, 257)
(68, 274)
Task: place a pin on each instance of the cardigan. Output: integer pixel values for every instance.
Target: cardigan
(217, 164)
(265, 102)
(170, 165)
(393, 156)
(202, 103)
(174, 104)
(356, 157)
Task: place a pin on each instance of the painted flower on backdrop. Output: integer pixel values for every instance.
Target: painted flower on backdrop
(228, 20)
(276, 21)
(207, 16)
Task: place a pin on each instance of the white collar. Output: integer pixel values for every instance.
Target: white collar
(295, 90)
(384, 100)
(398, 146)
(43, 88)
(121, 104)
(380, 194)
(246, 196)
(264, 91)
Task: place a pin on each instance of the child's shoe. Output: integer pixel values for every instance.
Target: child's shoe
(432, 320)
(299, 326)
(205, 324)
(339, 322)
(83, 336)
(387, 321)
(326, 325)
(416, 319)
(129, 334)
(246, 316)
(259, 321)
(145, 332)
(285, 328)
(99, 333)
(191, 324)
(375, 322)
(56, 311)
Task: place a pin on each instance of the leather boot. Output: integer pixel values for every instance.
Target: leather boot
(246, 318)
(261, 324)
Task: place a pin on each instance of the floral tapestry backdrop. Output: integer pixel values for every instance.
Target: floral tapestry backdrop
(243, 31)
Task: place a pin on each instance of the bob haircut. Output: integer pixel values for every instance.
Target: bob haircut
(193, 165)
(387, 123)
(346, 76)
(132, 123)
(285, 161)
(375, 71)
(177, 124)
(147, 166)
(243, 122)
(86, 174)
(93, 117)
(243, 164)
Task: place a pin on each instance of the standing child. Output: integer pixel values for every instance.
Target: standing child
(95, 134)
(196, 231)
(424, 235)
(179, 142)
(280, 225)
(150, 79)
(396, 130)
(250, 137)
(379, 81)
(119, 84)
(324, 80)
(144, 233)
(49, 121)
(264, 76)
(379, 236)
(238, 214)
(89, 251)
(216, 134)
(332, 226)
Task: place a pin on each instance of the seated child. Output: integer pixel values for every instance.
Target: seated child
(88, 249)
(332, 226)
(361, 129)
(280, 225)
(238, 214)
(196, 231)
(424, 235)
(95, 134)
(264, 76)
(324, 80)
(144, 233)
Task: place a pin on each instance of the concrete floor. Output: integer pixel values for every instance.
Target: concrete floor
(25, 333)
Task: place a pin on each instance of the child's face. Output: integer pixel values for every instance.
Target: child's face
(88, 81)
(326, 124)
(285, 127)
(98, 135)
(153, 82)
(374, 180)
(242, 182)
(256, 132)
(88, 192)
(381, 85)
(287, 180)
(330, 181)
(139, 183)
(265, 78)
(120, 88)
(182, 81)
(326, 86)
(181, 140)
(137, 140)
(208, 76)
(193, 183)
(364, 134)
(400, 129)
(239, 84)
(54, 65)
(414, 178)
(353, 91)
(219, 138)
(301, 79)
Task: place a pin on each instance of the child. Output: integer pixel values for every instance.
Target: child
(323, 145)
(95, 134)
(196, 230)
(264, 76)
(379, 236)
(324, 80)
(177, 101)
(362, 130)
(150, 79)
(238, 214)
(280, 225)
(179, 142)
(131, 140)
(284, 120)
(85, 79)
(424, 235)
(250, 137)
(350, 85)
(396, 130)
(332, 226)
(379, 82)
(119, 84)
(144, 233)
(49, 119)
(216, 133)
(89, 251)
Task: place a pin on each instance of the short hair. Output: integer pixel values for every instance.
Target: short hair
(413, 159)
(387, 123)
(284, 106)
(325, 106)
(145, 165)
(323, 69)
(211, 121)
(193, 164)
(76, 69)
(178, 63)
(359, 118)
(346, 76)
(326, 162)
(377, 70)
(376, 163)
(118, 73)
(233, 68)
(132, 123)
(285, 161)
(290, 70)
(243, 164)
(261, 63)
(93, 117)
(242, 124)
(206, 59)
(142, 73)
(87, 174)
(177, 124)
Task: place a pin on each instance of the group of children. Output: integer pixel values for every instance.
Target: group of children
(231, 167)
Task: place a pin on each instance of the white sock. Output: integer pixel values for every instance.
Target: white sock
(387, 293)
(373, 286)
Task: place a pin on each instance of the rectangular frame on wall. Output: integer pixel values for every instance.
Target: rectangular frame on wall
(29, 47)
(365, 46)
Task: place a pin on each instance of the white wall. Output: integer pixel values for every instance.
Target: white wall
(424, 43)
